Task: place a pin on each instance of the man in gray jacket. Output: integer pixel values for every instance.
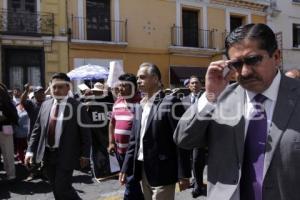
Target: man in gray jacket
(60, 138)
(251, 127)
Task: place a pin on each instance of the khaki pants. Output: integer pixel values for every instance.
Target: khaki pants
(164, 192)
(7, 150)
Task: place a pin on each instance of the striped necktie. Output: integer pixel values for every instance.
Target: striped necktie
(52, 124)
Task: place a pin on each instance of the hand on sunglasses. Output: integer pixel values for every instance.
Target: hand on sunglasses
(217, 78)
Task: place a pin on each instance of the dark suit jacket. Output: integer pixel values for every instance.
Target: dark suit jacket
(9, 111)
(163, 162)
(75, 140)
(186, 101)
(225, 139)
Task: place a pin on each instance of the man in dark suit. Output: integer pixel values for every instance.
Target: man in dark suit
(198, 154)
(60, 138)
(152, 154)
(251, 127)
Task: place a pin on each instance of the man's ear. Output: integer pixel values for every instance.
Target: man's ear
(156, 79)
(277, 57)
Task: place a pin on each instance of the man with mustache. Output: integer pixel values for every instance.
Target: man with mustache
(60, 138)
(251, 127)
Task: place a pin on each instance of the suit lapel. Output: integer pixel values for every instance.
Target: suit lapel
(232, 103)
(186, 101)
(286, 102)
(66, 114)
(239, 96)
(158, 99)
(138, 115)
(48, 110)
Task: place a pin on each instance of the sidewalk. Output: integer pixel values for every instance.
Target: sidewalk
(87, 188)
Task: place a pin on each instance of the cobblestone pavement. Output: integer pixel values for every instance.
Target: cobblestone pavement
(87, 188)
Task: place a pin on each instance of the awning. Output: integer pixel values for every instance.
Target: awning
(179, 73)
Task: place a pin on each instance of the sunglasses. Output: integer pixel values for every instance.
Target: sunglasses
(250, 60)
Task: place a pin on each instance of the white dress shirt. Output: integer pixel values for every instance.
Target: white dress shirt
(59, 120)
(194, 97)
(146, 105)
(271, 93)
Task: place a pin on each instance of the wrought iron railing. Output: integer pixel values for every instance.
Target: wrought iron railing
(96, 29)
(26, 23)
(189, 37)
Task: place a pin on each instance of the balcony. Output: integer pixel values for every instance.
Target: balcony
(26, 23)
(194, 38)
(101, 31)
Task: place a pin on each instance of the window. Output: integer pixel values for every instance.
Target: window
(22, 66)
(296, 35)
(296, 1)
(22, 16)
(98, 20)
(190, 28)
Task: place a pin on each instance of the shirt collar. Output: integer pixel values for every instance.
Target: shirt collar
(271, 93)
(61, 101)
(151, 100)
(195, 94)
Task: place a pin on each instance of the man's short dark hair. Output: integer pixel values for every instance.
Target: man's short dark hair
(194, 76)
(130, 78)
(61, 76)
(152, 69)
(261, 33)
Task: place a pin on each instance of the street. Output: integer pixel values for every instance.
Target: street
(87, 188)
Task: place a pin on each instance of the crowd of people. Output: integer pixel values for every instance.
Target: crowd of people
(246, 132)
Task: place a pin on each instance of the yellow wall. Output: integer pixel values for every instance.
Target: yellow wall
(149, 37)
(56, 60)
(215, 20)
(149, 22)
(58, 8)
(259, 19)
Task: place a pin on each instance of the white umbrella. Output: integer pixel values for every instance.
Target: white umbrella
(88, 72)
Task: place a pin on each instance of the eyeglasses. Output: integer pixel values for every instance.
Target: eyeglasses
(250, 60)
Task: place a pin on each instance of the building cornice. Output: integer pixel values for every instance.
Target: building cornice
(192, 51)
(259, 6)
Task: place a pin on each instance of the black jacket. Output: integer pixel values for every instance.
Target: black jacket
(9, 112)
(164, 163)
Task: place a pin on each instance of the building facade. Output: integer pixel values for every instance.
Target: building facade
(33, 40)
(181, 36)
(284, 18)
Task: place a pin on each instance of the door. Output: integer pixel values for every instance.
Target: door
(22, 17)
(98, 20)
(190, 28)
(22, 66)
